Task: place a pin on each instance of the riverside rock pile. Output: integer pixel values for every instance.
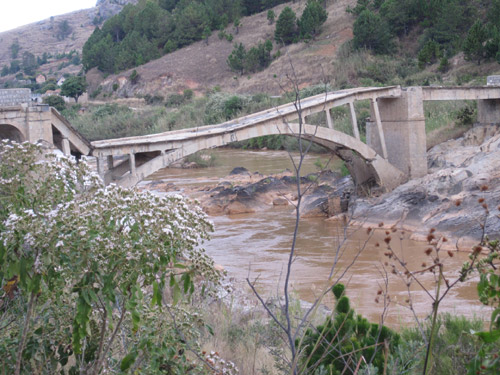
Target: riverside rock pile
(460, 193)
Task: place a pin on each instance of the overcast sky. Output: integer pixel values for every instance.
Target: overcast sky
(14, 13)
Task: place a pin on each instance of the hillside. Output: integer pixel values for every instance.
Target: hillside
(40, 37)
(201, 67)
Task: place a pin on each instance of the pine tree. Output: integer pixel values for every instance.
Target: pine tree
(311, 20)
(236, 59)
(271, 16)
(206, 34)
(286, 29)
(372, 32)
(237, 24)
(474, 43)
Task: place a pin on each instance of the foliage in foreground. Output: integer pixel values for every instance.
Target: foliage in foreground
(339, 345)
(95, 279)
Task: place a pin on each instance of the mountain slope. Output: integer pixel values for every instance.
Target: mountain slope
(201, 67)
(40, 37)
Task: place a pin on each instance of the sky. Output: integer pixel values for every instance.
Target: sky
(14, 13)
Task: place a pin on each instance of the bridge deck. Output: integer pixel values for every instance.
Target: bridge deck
(460, 93)
(287, 112)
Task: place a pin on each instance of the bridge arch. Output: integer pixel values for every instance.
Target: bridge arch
(365, 165)
(12, 132)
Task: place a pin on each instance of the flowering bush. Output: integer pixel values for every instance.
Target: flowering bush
(94, 278)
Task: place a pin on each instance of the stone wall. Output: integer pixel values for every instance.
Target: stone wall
(11, 97)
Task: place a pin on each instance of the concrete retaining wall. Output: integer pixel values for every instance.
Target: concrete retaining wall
(11, 97)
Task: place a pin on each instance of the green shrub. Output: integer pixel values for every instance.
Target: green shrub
(174, 100)
(153, 99)
(454, 343)
(203, 159)
(188, 94)
(134, 77)
(344, 338)
(55, 101)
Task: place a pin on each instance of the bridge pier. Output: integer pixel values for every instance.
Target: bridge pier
(133, 170)
(488, 111)
(39, 124)
(66, 148)
(354, 121)
(402, 122)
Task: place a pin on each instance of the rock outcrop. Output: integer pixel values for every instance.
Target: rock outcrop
(108, 8)
(460, 194)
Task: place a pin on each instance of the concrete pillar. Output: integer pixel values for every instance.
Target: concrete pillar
(66, 149)
(329, 118)
(403, 124)
(163, 159)
(378, 121)
(110, 163)
(101, 169)
(354, 120)
(133, 170)
(488, 111)
(39, 124)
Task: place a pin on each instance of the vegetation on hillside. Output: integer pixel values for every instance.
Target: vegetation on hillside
(30, 64)
(146, 31)
(442, 28)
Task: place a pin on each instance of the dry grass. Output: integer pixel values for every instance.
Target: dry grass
(242, 337)
(39, 37)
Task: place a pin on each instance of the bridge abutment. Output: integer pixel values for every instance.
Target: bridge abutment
(402, 123)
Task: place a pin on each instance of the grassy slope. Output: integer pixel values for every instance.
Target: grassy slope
(39, 37)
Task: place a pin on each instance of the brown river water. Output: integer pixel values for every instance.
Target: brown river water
(258, 245)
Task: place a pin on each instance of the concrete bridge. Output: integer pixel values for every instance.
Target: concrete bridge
(395, 148)
(21, 120)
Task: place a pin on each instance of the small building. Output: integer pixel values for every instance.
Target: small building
(40, 78)
(52, 92)
(61, 81)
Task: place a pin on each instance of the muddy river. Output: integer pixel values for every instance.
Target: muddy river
(258, 245)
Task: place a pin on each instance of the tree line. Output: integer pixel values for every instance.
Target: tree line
(443, 27)
(148, 30)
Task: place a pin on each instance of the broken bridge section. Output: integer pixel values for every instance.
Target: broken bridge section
(146, 154)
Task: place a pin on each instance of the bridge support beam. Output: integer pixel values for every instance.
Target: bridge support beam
(66, 149)
(133, 170)
(488, 111)
(354, 121)
(101, 169)
(329, 121)
(403, 124)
